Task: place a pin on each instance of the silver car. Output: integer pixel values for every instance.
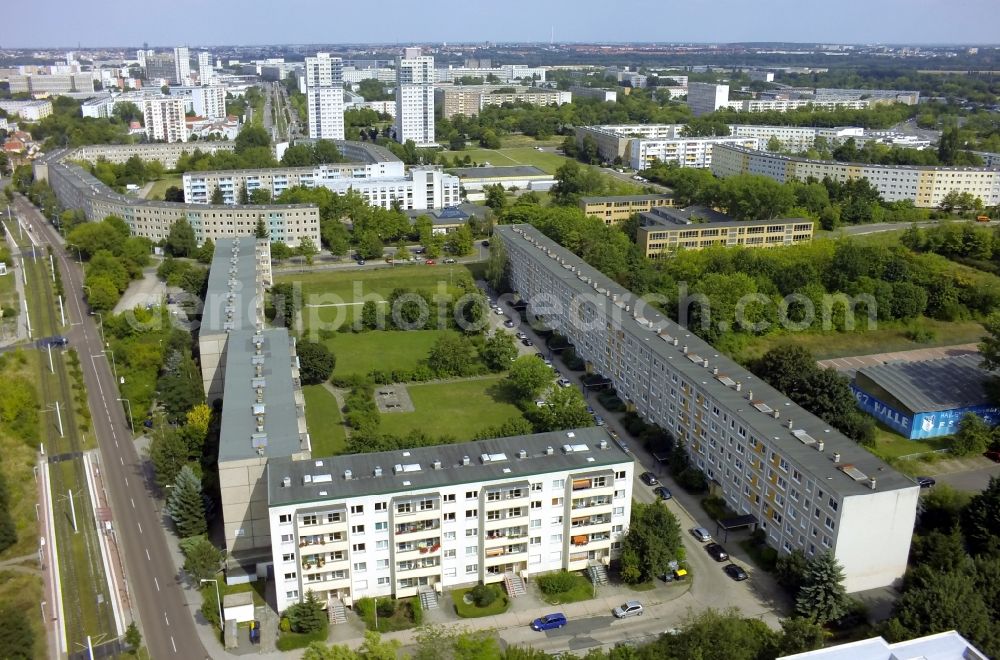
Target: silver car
(701, 534)
(629, 608)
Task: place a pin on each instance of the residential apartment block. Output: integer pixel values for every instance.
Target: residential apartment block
(434, 518)
(415, 98)
(469, 100)
(619, 208)
(209, 101)
(77, 188)
(325, 96)
(506, 73)
(606, 95)
(704, 98)
(807, 486)
(161, 67)
(924, 185)
(683, 152)
(53, 83)
(27, 110)
(664, 230)
(164, 119)
(182, 65)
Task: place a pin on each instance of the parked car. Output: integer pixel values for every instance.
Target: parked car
(361, 262)
(598, 420)
(649, 479)
(549, 621)
(547, 361)
(562, 382)
(662, 492)
(450, 260)
(508, 323)
(735, 572)
(521, 335)
(993, 455)
(527, 342)
(701, 534)
(429, 262)
(717, 552)
(498, 311)
(486, 243)
(925, 482)
(628, 608)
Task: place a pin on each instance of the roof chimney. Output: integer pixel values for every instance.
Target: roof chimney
(466, 460)
(377, 471)
(739, 386)
(871, 483)
(836, 457)
(789, 423)
(819, 445)
(347, 475)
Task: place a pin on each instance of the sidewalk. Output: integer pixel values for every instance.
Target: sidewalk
(21, 332)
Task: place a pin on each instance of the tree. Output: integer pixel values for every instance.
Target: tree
(499, 351)
(773, 144)
(497, 266)
(451, 355)
(496, 197)
(181, 241)
(173, 194)
(244, 197)
(528, 377)
(981, 520)
(316, 362)
(307, 249)
(790, 570)
(168, 452)
(206, 252)
(17, 637)
(259, 196)
(307, 616)
(251, 136)
(989, 348)
(102, 293)
(822, 597)
(261, 231)
(716, 635)
(202, 560)
(799, 635)
(280, 251)
(8, 529)
(185, 504)
(459, 242)
(653, 540)
(973, 436)
(133, 637)
(217, 197)
(370, 315)
(369, 245)
(564, 409)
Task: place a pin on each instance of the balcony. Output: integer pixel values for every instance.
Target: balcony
(506, 551)
(421, 526)
(590, 502)
(418, 564)
(424, 546)
(590, 521)
(499, 536)
(587, 539)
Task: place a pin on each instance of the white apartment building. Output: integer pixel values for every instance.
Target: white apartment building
(925, 186)
(209, 101)
(206, 72)
(796, 138)
(415, 98)
(325, 96)
(382, 74)
(806, 485)
(434, 518)
(605, 95)
(422, 188)
(182, 65)
(164, 119)
(704, 98)
(685, 152)
(27, 110)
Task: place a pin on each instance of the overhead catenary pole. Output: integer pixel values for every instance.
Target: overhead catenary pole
(72, 510)
(52, 369)
(52, 266)
(62, 311)
(59, 417)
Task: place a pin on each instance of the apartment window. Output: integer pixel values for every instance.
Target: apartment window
(285, 518)
(618, 511)
(358, 547)
(292, 594)
(536, 486)
(381, 526)
(559, 483)
(471, 494)
(357, 529)
(471, 532)
(620, 474)
(426, 505)
(360, 567)
(405, 507)
(309, 519)
(536, 540)
(287, 538)
(449, 536)
(536, 523)
(357, 509)
(833, 504)
(617, 528)
(538, 505)
(450, 497)
(829, 522)
(449, 517)
(555, 538)
(449, 554)
(382, 563)
(558, 520)
(381, 506)
(290, 556)
(471, 549)
(383, 581)
(382, 545)
(619, 494)
(471, 514)
(556, 501)
(471, 568)
(291, 576)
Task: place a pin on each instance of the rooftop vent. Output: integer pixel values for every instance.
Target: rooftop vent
(836, 457)
(405, 468)
(436, 464)
(522, 453)
(603, 444)
(286, 482)
(377, 472)
(466, 460)
(819, 445)
(348, 474)
(789, 423)
(549, 450)
(739, 386)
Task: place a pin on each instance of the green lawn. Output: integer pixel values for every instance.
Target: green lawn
(258, 588)
(546, 161)
(890, 445)
(324, 421)
(582, 589)
(458, 409)
(472, 611)
(336, 289)
(360, 353)
(519, 140)
(160, 187)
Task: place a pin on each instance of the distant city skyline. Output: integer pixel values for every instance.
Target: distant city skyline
(117, 23)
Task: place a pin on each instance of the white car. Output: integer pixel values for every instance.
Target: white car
(701, 534)
(629, 608)
(562, 382)
(498, 311)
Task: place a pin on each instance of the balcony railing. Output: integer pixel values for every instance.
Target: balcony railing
(588, 503)
(410, 528)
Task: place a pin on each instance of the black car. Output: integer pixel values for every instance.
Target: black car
(527, 342)
(925, 482)
(717, 552)
(663, 492)
(649, 479)
(735, 572)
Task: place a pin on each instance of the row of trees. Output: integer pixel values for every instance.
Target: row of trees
(113, 259)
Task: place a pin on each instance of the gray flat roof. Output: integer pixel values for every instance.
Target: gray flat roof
(216, 296)
(674, 218)
(757, 413)
(239, 433)
(413, 469)
(500, 171)
(627, 198)
(942, 384)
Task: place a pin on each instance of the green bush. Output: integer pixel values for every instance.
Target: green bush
(285, 625)
(483, 595)
(556, 583)
(416, 612)
(692, 480)
(716, 507)
(365, 607)
(385, 606)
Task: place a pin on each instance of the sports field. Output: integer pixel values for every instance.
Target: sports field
(546, 161)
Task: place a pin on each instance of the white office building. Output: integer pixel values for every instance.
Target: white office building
(209, 102)
(182, 65)
(415, 98)
(164, 119)
(418, 522)
(325, 96)
(206, 72)
(704, 98)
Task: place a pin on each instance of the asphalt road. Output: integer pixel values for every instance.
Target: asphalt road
(154, 586)
(972, 481)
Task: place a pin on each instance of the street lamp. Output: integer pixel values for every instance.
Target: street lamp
(221, 623)
(131, 419)
(79, 257)
(107, 348)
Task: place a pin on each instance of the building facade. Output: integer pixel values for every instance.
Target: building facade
(807, 486)
(606, 95)
(209, 101)
(704, 98)
(161, 67)
(925, 186)
(164, 119)
(619, 208)
(27, 110)
(683, 152)
(664, 230)
(469, 100)
(206, 72)
(182, 65)
(415, 98)
(54, 83)
(434, 518)
(325, 96)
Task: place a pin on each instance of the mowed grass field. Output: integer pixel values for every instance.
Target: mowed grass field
(507, 156)
(333, 292)
(325, 423)
(160, 187)
(386, 350)
(459, 409)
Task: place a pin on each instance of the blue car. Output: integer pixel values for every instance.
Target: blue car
(549, 622)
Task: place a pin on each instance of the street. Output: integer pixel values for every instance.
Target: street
(153, 586)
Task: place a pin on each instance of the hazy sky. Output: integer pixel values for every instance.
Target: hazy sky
(200, 22)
